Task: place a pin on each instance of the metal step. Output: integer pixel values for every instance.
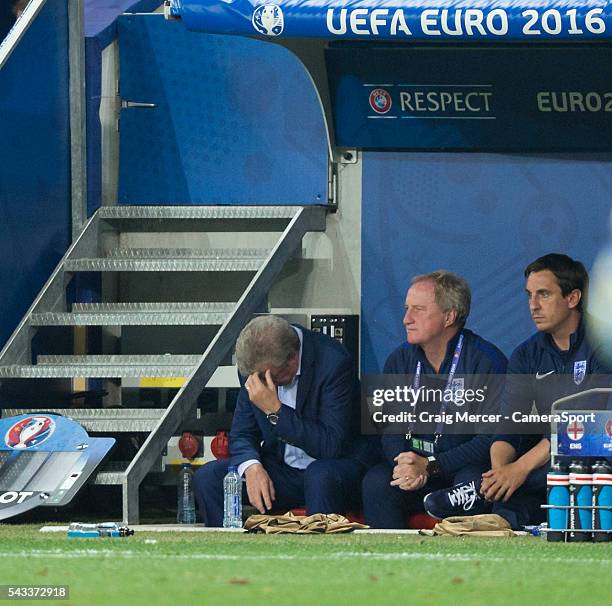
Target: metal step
(222, 254)
(112, 473)
(102, 420)
(169, 259)
(204, 218)
(137, 314)
(138, 213)
(109, 478)
(103, 366)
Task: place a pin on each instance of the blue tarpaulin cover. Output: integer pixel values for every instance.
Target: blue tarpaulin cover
(433, 20)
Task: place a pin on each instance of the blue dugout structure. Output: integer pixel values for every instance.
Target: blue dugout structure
(408, 88)
(35, 156)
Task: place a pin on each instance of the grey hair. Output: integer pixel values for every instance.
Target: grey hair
(265, 341)
(451, 292)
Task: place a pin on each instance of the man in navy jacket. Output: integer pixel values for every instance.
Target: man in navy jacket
(294, 424)
(556, 361)
(437, 306)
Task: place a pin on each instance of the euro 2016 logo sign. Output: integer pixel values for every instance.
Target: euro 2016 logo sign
(380, 100)
(29, 432)
(268, 20)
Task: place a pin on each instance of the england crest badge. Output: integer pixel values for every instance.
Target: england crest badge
(579, 371)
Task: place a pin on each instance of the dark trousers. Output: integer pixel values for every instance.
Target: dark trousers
(386, 506)
(325, 486)
(524, 506)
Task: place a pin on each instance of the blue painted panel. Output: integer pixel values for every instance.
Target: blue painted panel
(236, 120)
(34, 163)
(483, 216)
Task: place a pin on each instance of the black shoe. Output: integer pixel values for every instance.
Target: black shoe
(458, 500)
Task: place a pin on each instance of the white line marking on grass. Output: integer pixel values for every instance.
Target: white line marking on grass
(340, 555)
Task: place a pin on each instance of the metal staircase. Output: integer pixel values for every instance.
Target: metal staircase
(101, 249)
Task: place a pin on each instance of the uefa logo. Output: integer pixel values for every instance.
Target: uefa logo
(268, 20)
(380, 100)
(29, 432)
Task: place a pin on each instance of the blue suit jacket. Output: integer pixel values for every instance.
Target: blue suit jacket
(326, 413)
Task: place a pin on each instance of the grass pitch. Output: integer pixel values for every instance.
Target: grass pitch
(220, 568)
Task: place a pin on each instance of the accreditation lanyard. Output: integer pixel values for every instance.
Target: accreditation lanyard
(444, 405)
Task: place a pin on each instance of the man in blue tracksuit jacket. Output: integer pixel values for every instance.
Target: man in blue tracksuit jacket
(556, 361)
(437, 306)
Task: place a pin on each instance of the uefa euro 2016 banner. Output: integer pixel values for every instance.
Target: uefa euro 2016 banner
(435, 20)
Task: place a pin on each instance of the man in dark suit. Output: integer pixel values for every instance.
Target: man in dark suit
(294, 424)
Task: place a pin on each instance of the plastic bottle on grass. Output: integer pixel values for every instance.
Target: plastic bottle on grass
(186, 501)
(232, 499)
(102, 529)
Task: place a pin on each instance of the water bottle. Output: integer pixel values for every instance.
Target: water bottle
(232, 499)
(557, 482)
(186, 501)
(102, 529)
(581, 500)
(602, 497)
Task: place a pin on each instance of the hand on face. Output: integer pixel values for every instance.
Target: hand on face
(263, 394)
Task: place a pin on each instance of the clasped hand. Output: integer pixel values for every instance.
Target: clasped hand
(410, 473)
(500, 484)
